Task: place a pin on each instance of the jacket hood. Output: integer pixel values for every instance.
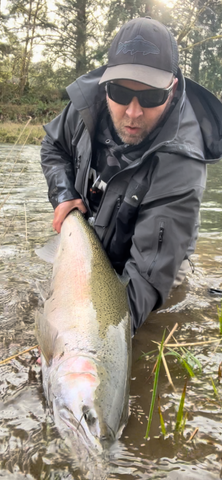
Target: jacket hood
(88, 97)
(208, 110)
(196, 109)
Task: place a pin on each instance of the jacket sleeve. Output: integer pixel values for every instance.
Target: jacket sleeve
(164, 231)
(57, 156)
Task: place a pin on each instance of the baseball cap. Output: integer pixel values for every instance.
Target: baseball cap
(143, 50)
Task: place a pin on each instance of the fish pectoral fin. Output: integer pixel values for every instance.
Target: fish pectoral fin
(48, 252)
(44, 337)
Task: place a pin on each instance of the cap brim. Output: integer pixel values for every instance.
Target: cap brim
(139, 73)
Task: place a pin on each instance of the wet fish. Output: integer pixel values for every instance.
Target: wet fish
(85, 338)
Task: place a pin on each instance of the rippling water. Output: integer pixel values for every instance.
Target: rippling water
(30, 447)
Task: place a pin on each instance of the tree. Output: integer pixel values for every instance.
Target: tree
(30, 22)
(79, 35)
(76, 34)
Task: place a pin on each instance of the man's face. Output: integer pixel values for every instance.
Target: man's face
(132, 122)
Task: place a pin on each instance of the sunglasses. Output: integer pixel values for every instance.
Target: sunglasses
(147, 98)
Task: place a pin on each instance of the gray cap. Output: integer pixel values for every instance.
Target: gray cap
(144, 50)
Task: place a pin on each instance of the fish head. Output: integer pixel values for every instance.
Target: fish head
(72, 393)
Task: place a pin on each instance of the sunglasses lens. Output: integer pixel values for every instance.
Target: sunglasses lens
(153, 98)
(119, 94)
(147, 98)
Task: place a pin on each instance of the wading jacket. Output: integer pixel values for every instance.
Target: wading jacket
(147, 219)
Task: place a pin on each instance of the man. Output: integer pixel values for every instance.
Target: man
(130, 150)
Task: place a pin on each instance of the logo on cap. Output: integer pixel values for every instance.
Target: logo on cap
(137, 45)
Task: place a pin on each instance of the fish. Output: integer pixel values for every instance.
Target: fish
(84, 335)
(137, 45)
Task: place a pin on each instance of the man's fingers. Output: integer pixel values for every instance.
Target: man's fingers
(63, 209)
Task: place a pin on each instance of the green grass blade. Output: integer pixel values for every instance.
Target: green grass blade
(179, 419)
(162, 424)
(214, 388)
(219, 311)
(148, 354)
(172, 352)
(188, 367)
(155, 384)
(183, 423)
(182, 361)
(192, 360)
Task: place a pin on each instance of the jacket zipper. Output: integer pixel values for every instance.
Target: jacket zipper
(159, 247)
(106, 234)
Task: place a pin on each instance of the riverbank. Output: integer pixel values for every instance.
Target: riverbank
(21, 133)
(22, 124)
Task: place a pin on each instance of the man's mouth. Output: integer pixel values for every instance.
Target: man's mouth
(132, 129)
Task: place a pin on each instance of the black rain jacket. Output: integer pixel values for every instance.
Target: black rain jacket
(147, 220)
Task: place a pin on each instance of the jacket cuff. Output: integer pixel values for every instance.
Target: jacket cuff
(142, 298)
(56, 198)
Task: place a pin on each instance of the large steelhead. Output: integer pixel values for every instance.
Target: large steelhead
(85, 338)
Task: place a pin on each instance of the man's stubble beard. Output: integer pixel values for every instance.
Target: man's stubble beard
(126, 137)
(146, 130)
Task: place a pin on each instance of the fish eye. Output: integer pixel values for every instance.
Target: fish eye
(89, 416)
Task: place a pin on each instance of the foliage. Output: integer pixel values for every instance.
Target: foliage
(192, 366)
(29, 22)
(40, 112)
(74, 37)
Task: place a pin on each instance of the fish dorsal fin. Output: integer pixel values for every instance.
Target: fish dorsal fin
(48, 252)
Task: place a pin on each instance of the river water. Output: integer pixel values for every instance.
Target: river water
(30, 447)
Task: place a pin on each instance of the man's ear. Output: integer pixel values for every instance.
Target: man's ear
(175, 85)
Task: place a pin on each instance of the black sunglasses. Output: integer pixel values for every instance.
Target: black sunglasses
(147, 98)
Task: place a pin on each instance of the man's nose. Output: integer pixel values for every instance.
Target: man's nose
(134, 110)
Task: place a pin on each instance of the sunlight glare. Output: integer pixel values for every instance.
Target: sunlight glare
(169, 3)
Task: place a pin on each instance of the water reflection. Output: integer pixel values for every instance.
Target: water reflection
(30, 447)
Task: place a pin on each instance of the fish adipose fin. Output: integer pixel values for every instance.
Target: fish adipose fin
(48, 252)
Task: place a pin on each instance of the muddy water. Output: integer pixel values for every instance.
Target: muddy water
(29, 444)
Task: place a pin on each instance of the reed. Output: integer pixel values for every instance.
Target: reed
(181, 417)
(219, 312)
(155, 385)
(162, 424)
(214, 388)
(6, 360)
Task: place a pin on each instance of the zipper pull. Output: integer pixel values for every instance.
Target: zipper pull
(161, 232)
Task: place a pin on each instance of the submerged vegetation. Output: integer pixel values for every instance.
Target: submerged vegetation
(192, 367)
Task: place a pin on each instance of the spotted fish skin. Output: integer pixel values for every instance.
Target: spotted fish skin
(137, 45)
(84, 335)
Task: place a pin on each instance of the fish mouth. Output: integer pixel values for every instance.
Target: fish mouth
(90, 433)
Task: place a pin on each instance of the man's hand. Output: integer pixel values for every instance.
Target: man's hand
(63, 209)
